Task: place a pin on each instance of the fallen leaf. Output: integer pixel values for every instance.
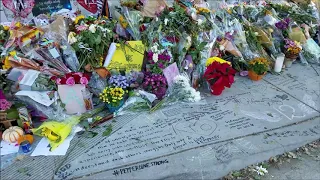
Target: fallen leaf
(108, 131)
(23, 170)
(91, 134)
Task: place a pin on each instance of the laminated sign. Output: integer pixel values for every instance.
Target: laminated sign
(50, 6)
(128, 56)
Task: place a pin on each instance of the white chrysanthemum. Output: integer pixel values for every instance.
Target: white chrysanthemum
(166, 21)
(155, 57)
(154, 48)
(261, 171)
(92, 28)
(71, 38)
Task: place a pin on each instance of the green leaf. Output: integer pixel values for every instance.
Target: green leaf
(23, 170)
(108, 130)
(85, 124)
(236, 174)
(98, 39)
(91, 134)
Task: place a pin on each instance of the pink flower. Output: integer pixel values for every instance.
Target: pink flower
(58, 81)
(4, 104)
(84, 80)
(82, 28)
(70, 81)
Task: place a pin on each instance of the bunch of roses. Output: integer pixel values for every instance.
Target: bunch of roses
(72, 79)
(156, 84)
(158, 61)
(219, 75)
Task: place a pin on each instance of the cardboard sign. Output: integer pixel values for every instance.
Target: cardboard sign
(129, 57)
(50, 6)
(72, 97)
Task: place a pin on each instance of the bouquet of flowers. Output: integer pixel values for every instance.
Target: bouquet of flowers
(72, 79)
(219, 74)
(258, 68)
(157, 61)
(119, 81)
(91, 39)
(292, 49)
(113, 97)
(284, 25)
(156, 84)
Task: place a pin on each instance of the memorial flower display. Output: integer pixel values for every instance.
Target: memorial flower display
(147, 55)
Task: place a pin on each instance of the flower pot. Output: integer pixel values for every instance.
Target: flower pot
(288, 62)
(279, 63)
(113, 109)
(254, 76)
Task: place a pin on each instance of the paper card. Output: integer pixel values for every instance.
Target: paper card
(41, 97)
(8, 148)
(72, 97)
(54, 53)
(15, 73)
(129, 57)
(170, 73)
(28, 79)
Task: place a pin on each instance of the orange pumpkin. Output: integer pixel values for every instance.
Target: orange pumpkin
(12, 134)
(26, 137)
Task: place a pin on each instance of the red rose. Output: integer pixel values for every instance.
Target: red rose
(87, 75)
(77, 78)
(53, 78)
(63, 80)
(68, 75)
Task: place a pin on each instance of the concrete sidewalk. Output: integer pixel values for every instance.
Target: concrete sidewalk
(247, 124)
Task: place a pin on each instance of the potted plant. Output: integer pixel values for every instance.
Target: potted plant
(258, 67)
(292, 50)
(219, 74)
(113, 97)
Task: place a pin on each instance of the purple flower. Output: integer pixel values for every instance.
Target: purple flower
(229, 36)
(160, 65)
(283, 24)
(118, 81)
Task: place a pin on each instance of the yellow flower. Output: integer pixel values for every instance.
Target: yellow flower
(18, 24)
(216, 59)
(6, 63)
(78, 18)
(123, 22)
(6, 28)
